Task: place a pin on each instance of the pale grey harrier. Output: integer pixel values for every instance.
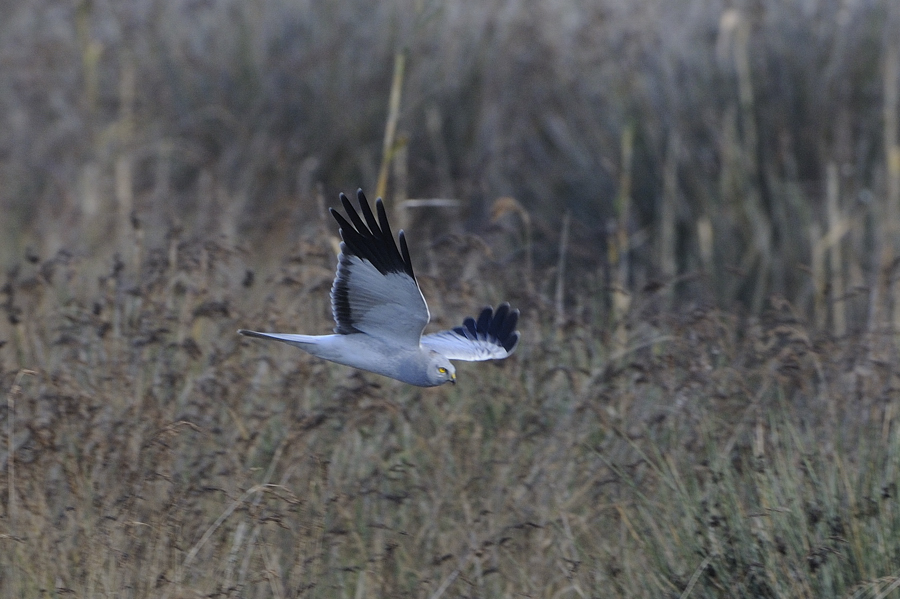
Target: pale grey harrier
(381, 313)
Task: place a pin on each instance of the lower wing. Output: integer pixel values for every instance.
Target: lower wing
(492, 337)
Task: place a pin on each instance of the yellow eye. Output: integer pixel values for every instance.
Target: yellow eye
(442, 370)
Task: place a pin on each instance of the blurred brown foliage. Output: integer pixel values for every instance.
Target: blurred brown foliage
(695, 204)
(695, 137)
(150, 451)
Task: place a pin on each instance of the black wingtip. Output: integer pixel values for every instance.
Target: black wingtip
(503, 326)
(511, 342)
(371, 239)
(404, 253)
(496, 326)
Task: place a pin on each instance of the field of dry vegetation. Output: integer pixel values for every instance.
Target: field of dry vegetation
(694, 203)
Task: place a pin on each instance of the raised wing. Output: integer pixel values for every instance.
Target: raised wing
(492, 337)
(375, 290)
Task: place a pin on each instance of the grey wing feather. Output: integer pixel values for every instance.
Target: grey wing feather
(492, 337)
(375, 290)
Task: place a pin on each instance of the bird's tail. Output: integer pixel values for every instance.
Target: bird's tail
(302, 341)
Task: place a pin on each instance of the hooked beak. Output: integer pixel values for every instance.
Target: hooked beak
(453, 378)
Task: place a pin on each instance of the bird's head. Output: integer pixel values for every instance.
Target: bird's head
(440, 370)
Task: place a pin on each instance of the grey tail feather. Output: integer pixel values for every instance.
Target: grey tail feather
(247, 333)
(301, 341)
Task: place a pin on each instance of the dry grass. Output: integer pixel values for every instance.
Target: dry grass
(697, 216)
(157, 453)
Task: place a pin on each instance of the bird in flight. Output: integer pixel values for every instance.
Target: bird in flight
(380, 312)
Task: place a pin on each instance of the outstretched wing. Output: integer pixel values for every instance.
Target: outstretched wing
(375, 290)
(492, 337)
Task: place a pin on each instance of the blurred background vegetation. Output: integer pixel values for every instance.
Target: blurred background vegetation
(729, 150)
(695, 203)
